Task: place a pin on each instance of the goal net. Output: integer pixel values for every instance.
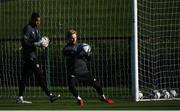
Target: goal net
(158, 49)
(104, 24)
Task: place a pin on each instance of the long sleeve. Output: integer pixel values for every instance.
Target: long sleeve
(27, 38)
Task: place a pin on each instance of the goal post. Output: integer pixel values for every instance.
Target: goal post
(134, 52)
(156, 50)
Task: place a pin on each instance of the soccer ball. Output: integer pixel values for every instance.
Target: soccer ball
(173, 93)
(156, 94)
(165, 94)
(140, 95)
(45, 41)
(84, 47)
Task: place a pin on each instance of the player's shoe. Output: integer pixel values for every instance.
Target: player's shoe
(107, 100)
(21, 100)
(81, 102)
(53, 97)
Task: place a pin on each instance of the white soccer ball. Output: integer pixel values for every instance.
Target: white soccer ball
(156, 94)
(140, 95)
(45, 41)
(165, 94)
(173, 93)
(85, 47)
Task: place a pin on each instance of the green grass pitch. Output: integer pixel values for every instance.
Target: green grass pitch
(90, 104)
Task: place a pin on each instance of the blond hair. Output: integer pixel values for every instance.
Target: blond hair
(70, 32)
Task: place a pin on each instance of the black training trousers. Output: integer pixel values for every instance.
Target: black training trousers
(85, 78)
(30, 67)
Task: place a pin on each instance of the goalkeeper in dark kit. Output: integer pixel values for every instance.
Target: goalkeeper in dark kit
(77, 56)
(30, 40)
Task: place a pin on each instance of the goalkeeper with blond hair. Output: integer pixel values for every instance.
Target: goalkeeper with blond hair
(31, 39)
(76, 59)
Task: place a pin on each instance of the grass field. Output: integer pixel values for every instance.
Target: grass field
(91, 104)
(67, 102)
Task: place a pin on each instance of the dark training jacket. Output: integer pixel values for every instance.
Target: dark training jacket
(76, 61)
(30, 35)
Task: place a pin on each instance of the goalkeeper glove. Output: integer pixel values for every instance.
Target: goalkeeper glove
(38, 44)
(44, 42)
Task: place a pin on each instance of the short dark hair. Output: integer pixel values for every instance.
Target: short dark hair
(34, 15)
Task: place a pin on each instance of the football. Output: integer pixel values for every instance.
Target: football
(165, 94)
(84, 47)
(173, 93)
(140, 95)
(45, 41)
(156, 94)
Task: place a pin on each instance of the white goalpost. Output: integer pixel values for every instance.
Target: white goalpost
(156, 50)
(134, 54)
